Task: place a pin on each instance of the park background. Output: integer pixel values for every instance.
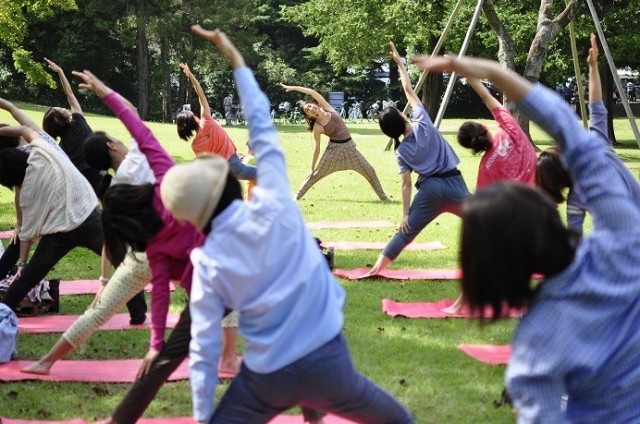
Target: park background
(135, 46)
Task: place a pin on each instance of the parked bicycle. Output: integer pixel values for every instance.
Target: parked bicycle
(373, 112)
(355, 113)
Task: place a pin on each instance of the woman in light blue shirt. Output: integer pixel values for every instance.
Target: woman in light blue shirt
(580, 336)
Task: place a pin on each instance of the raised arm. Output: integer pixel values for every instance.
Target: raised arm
(19, 131)
(71, 98)
(263, 137)
(603, 186)
(489, 101)
(405, 81)
(205, 110)
(19, 115)
(159, 160)
(595, 85)
(324, 104)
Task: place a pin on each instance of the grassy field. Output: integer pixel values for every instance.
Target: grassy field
(416, 360)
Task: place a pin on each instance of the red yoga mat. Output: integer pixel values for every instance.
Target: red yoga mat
(489, 354)
(400, 274)
(321, 225)
(280, 419)
(379, 245)
(434, 310)
(90, 287)
(90, 371)
(60, 323)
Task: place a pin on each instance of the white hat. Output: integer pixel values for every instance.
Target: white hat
(191, 191)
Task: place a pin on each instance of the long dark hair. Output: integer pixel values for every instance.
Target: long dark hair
(187, 124)
(310, 121)
(392, 123)
(55, 123)
(509, 232)
(13, 167)
(551, 176)
(474, 136)
(232, 191)
(129, 219)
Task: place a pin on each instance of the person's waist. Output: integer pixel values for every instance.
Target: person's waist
(448, 174)
(331, 140)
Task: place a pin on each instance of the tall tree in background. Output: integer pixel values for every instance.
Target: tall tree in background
(14, 18)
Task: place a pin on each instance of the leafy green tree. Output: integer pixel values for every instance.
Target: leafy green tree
(14, 19)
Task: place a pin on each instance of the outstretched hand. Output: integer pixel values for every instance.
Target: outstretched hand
(394, 54)
(186, 70)
(287, 88)
(92, 83)
(55, 68)
(5, 104)
(226, 47)
(592, 59)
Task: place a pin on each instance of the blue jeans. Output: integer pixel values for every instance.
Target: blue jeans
(240, 170)
(434, 196)
(324, 380)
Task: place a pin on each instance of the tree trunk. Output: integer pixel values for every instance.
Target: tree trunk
(167, 109)
(607, 97)
(433, 86)
(142, 59)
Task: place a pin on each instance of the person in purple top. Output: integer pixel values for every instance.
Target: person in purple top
(134, 218)
(440, 186)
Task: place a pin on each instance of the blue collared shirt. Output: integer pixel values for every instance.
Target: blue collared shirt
(261, 261)
(581, 335)
(425, 151)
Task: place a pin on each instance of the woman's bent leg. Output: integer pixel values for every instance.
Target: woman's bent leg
(359, 163)
(330, 162)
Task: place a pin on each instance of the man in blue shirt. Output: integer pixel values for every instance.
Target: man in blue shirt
(260, 260)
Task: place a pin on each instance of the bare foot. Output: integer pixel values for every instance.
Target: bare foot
(452, 310)
(40, 368)
(229, 365)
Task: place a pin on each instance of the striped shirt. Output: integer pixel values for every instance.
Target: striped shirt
(580, 336)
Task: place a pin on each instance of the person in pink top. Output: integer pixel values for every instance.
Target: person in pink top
(508, 152)
(134, 218)
(210, 136)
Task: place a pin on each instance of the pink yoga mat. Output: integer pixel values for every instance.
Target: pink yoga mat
(321, 225)
(434, 310)
(280, 419)
(60, 323)
(90, 287)
(489, 354)
(400, 274)
(6, 234)
(90, 371)
(379, 245)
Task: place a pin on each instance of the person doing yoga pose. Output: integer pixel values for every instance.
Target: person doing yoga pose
(210, 136)
(134, 218)
(440, 186)
(508, 153)
(71, 128)
(341, 153)
(580, 335)
(260, 259)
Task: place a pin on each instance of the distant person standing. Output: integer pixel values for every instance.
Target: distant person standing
(631, 91)
(228, 107)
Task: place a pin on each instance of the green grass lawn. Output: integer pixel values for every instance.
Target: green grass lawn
(416, 360)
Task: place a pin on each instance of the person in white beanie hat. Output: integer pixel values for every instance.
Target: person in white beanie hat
(259, 259)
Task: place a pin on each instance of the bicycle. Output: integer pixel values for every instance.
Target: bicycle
(355, 112)
(373, 112)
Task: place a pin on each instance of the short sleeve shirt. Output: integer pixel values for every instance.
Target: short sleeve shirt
(212, 138)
